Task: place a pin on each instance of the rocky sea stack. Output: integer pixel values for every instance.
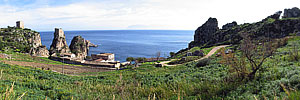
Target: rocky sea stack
(59, 44)
(80, 47)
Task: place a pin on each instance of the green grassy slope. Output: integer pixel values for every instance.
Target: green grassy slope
(185, 81)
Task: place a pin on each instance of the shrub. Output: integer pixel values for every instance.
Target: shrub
(88, 58)
(130, 59)
(203, 62)
(158, 65)
(294, 53)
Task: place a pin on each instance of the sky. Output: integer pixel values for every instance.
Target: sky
(45, 15)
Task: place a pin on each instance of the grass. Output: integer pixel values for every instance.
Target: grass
(175, 82)
(27, 58)
(205, 50)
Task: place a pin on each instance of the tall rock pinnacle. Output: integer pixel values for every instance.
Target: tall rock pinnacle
(59, 44)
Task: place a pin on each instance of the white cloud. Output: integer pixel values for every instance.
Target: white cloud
(147, 14)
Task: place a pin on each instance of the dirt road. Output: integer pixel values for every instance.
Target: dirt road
(211, 52)
(71, 70)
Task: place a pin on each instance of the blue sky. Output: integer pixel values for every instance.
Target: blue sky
(45, 15)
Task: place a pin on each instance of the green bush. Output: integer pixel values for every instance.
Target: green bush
(203, 62)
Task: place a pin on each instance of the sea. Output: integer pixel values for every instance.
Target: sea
(129, 43)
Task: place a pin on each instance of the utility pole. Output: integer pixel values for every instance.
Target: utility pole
(63, 66)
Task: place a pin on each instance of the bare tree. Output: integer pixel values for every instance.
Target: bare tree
(257, 53)
(236, 64)
(254, 54)
(158, 55)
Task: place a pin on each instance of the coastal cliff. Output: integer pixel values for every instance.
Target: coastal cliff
(21, 40)
(209, 34)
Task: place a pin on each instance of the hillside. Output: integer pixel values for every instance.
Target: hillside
(260, 62)
(187, 81)
(273, 26)
(17, 39)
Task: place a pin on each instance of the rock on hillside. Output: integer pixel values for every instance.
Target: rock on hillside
(80, 47)
(40, 51)
(291, 13)
(209, 34)
(59, 44)
(229, 25)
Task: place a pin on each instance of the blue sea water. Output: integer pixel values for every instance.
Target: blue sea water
(130, 43)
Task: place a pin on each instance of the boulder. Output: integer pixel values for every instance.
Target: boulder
(198, 53)
(80, 47)
(291, 13)
(40, 51)
(59, 44)
(158, 65)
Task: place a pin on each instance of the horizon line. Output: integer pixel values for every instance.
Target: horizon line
(126, 30)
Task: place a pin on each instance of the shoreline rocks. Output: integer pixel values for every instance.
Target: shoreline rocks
(90, 44)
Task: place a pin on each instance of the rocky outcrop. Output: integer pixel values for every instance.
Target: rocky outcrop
(275, 16)
(59, 44)
(229, 25)
(91, 44)
(21, 40)
(34, 39)
(273, 27)
(80, 47)
(291, 13)
(206, 30)
(40, 51)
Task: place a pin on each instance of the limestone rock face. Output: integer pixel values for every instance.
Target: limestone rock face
(37, 49)
(291, 13)
(205, 31)
(59, 44)
(40, 51)
(271, 27)
(229, 25)
(34, 40)
(91, 44)
(275, 16)
(80, 47)
(21, 40)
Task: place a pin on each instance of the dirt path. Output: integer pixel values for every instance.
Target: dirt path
(71, 70)
(211, 52)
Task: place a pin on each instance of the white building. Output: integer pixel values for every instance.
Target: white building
(104, 57)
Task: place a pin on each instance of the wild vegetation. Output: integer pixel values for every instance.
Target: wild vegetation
(278, 78)
(253, 67)
(12, 38)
